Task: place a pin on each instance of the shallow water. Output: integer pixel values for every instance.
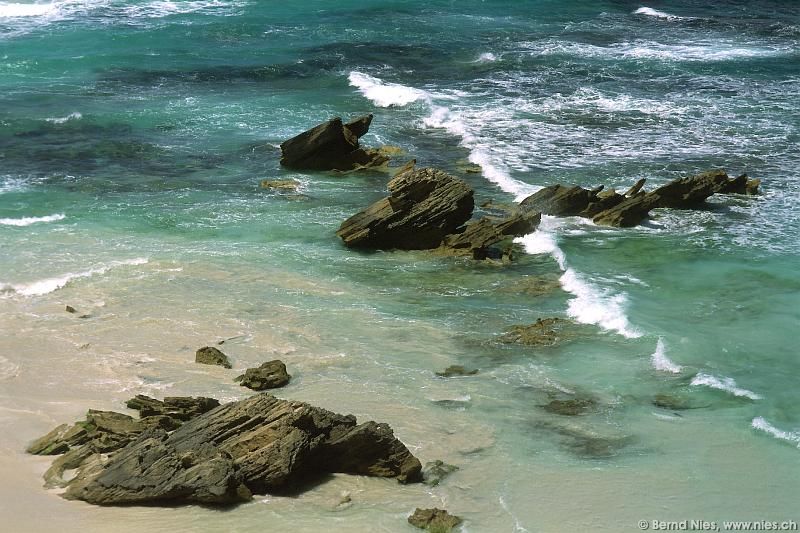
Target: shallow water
(133, 140)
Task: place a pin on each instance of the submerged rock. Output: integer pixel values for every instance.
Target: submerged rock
(434, 520)
(570, 407)
(280, 185)
(456, 370)
(269, 375)
(331, 145)
(435, 471)
(209, 355)
(543, 332)
(257, 445)
(423, 207)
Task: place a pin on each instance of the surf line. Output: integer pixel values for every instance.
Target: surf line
(590, 304)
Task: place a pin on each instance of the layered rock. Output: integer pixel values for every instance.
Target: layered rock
(331, 145)
(258, 445)
(559, 200)
(269, 375)
(423, 206)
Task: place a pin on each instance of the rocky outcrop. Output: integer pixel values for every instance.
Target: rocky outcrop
(269, 375)
(477, 238)
(423, 207)
(180, 408)
(435, 471)
(258, 445)
(434, 520)
(610, 208)
(331, 145)
(280, 185)
(208, 355)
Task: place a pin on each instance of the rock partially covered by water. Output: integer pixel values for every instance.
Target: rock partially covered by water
(331, 145)
(269, 375)
(456, 370)
(435, 471)
(571, 406)
(543, 332)
(628, 213)
(258, 445)
(208, 355)
(434, 520)
(423, 207)
(477, 238)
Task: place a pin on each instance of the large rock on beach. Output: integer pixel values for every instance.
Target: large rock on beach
(423, 206)
(261, 444)
(331, 145)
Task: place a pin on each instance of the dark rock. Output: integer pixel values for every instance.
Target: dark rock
(477, 237)
(559, 200)
(691, 192)
(331, 146)
(456, 370)
(435, 471)
(260, 444)
(71, 309)
(628, 213)
(739, 185)
(605, 200)
(633, 191)
(209, 355)
(180, 408)
(269, 375)
(570, 407)
(434, 520)
(673, 403)
(423, 207)
(543, 332)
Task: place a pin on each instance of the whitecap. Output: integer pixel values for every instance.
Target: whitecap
(650, 12)
(591, 304)
(166, 8)
(8, 369)
(27, 221)
(61, 120)
(48, 285)
(486, 57)
(661, 361)
(761, 424)
(12, 10)
(385, 94)
(724, 384)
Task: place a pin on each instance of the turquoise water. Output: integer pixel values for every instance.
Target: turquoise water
(134, 135)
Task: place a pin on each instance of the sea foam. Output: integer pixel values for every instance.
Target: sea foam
(48, 285)
(385, 94)
(650, 12)
(661, 361)
(27, 221)
(62, 120)
(761, 424)
(723, 384)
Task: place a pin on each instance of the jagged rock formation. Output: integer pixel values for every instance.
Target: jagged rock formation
(610, 208)
(434, 520)
(423, 207)
(208, 355)
(331, 145)
(260, 444)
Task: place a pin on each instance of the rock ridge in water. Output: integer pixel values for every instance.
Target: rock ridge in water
(261, 444)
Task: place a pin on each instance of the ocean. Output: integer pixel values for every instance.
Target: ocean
(134, 136)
